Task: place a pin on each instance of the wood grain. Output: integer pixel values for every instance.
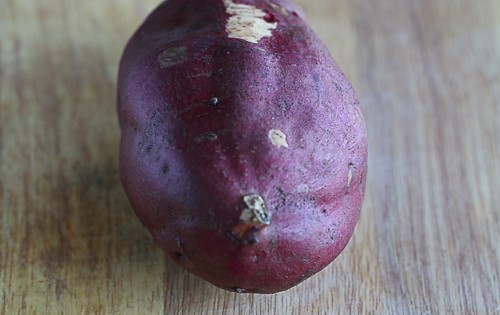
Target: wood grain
(428, 75)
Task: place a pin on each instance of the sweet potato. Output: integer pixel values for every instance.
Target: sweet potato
(243, 146)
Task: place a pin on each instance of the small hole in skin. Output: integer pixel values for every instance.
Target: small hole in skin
(214, 102)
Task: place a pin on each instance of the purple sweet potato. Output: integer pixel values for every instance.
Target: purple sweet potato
(243, 146)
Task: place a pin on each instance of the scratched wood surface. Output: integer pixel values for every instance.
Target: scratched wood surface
(428, 75)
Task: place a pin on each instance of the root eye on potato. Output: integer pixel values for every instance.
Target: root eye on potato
(243, 148)
(214, 101)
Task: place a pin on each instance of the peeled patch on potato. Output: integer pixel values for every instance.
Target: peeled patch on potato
(243, 147)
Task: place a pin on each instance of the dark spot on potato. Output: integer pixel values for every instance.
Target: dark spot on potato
(284, 105)
(233, 237)
(214, 102)
(178, 252)
(207, 137)
(333, 232)
(278, 200)
(252, 238)
(294, 33)
(244, 234)
(338, 87)
(165, 169)
(270, 18)
(238, 290)
(281, 197)
(253, 241)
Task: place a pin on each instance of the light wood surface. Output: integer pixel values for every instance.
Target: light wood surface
(428, 75)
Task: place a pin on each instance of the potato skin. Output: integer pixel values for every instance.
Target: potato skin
(209, 118)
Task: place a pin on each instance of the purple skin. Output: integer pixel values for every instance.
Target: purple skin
(196, 108)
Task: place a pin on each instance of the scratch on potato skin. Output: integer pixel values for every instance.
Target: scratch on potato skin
(172, 56)
(247, 22)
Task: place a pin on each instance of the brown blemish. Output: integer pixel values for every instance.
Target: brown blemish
(172, 57)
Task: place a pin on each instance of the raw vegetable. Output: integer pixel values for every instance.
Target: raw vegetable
(243, 146)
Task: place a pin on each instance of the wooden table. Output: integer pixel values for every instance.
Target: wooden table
(428, 75)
